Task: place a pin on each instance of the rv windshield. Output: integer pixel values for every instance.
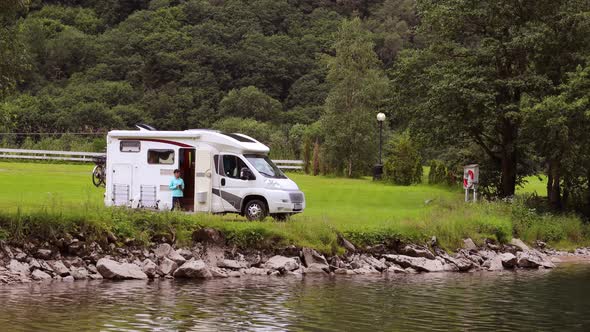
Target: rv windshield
(265, 166)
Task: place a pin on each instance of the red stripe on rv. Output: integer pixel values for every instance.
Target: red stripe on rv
(159, 141)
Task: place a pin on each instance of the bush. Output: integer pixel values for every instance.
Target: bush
(402, 164)
(439, 173)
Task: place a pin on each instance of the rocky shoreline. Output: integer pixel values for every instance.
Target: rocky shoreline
(73, 258)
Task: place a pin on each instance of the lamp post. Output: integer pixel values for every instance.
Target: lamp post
(378, 169)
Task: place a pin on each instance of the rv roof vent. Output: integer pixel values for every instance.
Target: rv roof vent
(145, 127)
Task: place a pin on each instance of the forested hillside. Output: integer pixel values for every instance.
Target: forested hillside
(501, 83)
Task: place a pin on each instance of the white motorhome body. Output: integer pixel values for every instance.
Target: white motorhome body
(222, 173)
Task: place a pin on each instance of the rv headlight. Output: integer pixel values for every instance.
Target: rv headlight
(272, 184)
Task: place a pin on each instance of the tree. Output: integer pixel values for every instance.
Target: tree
(13, 58)
(565, 145)
(357, 90)
(402, 163)
(249, 102)
(480, 58)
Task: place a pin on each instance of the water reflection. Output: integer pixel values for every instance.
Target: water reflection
(524, 300)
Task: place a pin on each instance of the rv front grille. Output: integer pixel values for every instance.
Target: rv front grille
(296, 197)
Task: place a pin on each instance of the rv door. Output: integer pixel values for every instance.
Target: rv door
(122, 184)
(232, 186)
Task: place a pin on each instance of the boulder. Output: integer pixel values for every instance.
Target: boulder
(17, 267)
(533, 259)
(396, 269)
(149, 267)
(419, 263)
(416, 251)
(59, 268)
(519, 244)
(162, 250)
(316, 268)
(176, 257)
(110, 269)
(367, 261)
(43, 254)
(218, 273)
(209, 235)
(311, 256)
(495, 264)
(255, 271)
(366, 270)
(79, 273)
(68, 279)
(469, 244)
(193, 269)
(462, 263)
(167, 266)
(40, 275)
(232, 264)
(346, 244)
(281, 263)
(187, 254)
(508, 260)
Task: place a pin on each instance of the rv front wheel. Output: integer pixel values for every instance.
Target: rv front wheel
(255, 210)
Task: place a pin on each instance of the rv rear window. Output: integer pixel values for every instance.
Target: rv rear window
(157, 156)
(130, 146)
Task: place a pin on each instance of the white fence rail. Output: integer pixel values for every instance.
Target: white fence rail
(89, 156)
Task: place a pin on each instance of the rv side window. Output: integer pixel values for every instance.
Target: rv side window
(157, 156)
(232, 165)
(130, 146)
(216, 162)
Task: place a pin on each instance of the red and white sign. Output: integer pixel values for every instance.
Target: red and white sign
(470, 176)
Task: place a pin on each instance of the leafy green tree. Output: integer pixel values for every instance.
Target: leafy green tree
(250, 102)
(358, 87)
(480, 58)
(13, 57)
(402, 162)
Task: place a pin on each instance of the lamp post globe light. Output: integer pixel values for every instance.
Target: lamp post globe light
(378, 169)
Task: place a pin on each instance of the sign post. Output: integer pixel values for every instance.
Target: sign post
(470, 180)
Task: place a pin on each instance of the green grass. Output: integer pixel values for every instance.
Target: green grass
(47, 200)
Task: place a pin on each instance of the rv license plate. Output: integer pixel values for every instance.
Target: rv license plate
(297, 206)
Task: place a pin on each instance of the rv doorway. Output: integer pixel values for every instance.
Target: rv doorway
(186, 165)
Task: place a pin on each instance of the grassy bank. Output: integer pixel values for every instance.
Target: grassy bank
(45, 201)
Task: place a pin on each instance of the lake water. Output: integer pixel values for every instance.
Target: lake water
(552, 300)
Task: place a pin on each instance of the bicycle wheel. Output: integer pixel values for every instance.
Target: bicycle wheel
(98, 175)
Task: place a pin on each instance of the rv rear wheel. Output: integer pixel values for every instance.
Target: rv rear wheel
(255, 210)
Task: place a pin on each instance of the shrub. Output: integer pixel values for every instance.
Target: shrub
(402, 165)
(439, 173)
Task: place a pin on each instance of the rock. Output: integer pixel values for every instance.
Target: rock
(346, 244)
(162, 250)
(76, 262)
(344, 271)
(187, 254)
(533, 259)
(218, 273)
(176, 257)
(79, 273)
(68, 279)
(508, 260)
(281, 263)
(419, 263)
(193, 269)
(255, 271)
(232, 264)
(234, 274)
(209, 235)
(416, 251)
(40, 275)
(110, 269)
(34, 264)
(366, 270)
(433, 241)
(396, 269)
(311, 256)
(95, 276)
(76, 247)
(495, 264)
(43, 254)
(149, 268)
(167, 266)
(316, 268)
(469, 244)
(20, 256)
(462, 263)
(519, 244)
(18, 267)
(59, 268)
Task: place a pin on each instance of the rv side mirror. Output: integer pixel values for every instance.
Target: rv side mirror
(246, 174)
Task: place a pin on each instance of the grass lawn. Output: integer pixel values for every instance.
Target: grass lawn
(364, 211)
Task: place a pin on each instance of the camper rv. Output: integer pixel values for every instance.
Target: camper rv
(223, 173)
